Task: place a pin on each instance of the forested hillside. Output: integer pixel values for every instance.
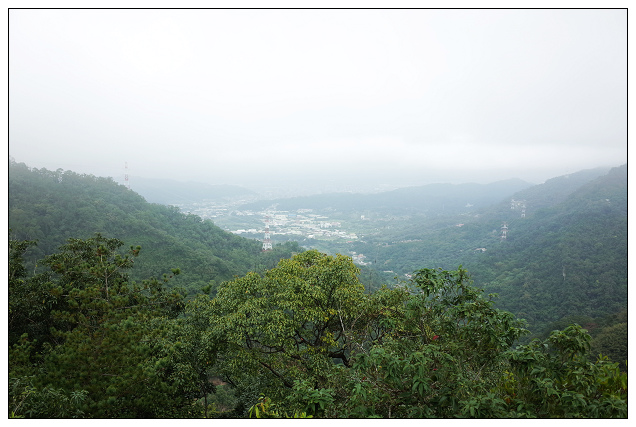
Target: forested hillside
(444, 239)
(97, 331)
(557, 189)
(565, 261)
(52, 206)
(301, 340)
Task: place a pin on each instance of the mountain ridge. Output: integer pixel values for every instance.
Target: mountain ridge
(53, 206)
(420, 198)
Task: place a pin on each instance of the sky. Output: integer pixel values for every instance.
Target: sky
(319, 98)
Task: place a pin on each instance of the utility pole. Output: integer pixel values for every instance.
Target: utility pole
(267, 243)
(126, 182)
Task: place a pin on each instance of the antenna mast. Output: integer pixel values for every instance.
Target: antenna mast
(504, 231)
(267, 243)
(126, 182)
(514, 204)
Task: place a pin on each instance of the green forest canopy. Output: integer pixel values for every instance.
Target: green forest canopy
(52, 206)
(91, 336)
(301, 340)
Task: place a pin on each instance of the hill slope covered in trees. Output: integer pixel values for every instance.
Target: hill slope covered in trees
(565, 261)
(301, 340)
(88, 339)
(52, 206)
(568, 259)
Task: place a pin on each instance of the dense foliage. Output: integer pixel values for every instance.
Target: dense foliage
(571, 260)
(90, 338)
(567, 257)
(272, 336)
(300, 340)
(52, 206)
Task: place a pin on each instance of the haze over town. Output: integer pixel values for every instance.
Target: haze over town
(321, 99)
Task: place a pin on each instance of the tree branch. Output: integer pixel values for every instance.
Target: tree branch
(285, 382)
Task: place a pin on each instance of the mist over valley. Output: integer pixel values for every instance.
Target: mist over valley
(317, 213)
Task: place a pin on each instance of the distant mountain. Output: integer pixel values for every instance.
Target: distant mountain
(557, 189)
(550, 193)
(449, 198)
(567, 257)
(454, 197)
(167, 191)
(52, 206)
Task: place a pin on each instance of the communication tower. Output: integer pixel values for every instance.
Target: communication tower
(519, 204)
(504, 231)
(126, 182)
(267, 243)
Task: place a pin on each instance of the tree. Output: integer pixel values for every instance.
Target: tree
(444, 344)
(289, 324)
(29, 297)
(100, 328)
(556, 378)
(301, 340)
(185, 355)
(611, 341)
(431, 347)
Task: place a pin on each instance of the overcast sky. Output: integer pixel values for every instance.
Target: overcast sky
(253, 97)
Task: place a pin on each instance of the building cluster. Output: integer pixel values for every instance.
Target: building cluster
(266, 225)
(299, 223)
(212, 210)
(358, 258)
(312, 226)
